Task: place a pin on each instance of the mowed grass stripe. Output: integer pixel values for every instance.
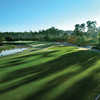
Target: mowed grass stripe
(42, 57)
(48, 73)
(56, 92)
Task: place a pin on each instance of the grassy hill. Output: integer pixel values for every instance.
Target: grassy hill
(53, 73)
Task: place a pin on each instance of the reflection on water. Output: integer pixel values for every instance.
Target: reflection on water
(13, 51)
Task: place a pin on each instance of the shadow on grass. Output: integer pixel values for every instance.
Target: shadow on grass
(12, 63)
(83, 58)
(80, 91)
(23, 59)
(44, 46)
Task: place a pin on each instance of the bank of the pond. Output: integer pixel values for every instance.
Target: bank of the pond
(7, 47)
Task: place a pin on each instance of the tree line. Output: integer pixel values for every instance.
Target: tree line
(85, 33)
(51, 34)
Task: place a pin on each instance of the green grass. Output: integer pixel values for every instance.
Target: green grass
(54, 73)
(6, 47)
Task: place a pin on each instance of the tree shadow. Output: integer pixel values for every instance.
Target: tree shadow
(12, 63)
(52, 67)
(23, 59)
(80, 90)
(28, 70)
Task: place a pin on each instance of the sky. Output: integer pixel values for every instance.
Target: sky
(26, 15)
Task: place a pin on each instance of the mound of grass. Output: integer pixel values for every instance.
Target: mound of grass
(54, 73)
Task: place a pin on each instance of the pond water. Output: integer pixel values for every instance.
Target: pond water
(12, 51)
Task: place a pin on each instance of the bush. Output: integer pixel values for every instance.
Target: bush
(1, 39)
(9, 38)
(96, 47)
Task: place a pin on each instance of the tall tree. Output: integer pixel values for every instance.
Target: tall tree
(79, 29)
(1, 38)
(82, 27)
(91, 25)
(98, 36)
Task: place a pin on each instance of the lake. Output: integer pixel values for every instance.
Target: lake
(12, 51)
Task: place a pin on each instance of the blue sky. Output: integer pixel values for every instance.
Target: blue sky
(26, 15)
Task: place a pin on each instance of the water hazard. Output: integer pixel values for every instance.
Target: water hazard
(12, 51)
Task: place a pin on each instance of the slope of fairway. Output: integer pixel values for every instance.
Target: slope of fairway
(53, 73)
